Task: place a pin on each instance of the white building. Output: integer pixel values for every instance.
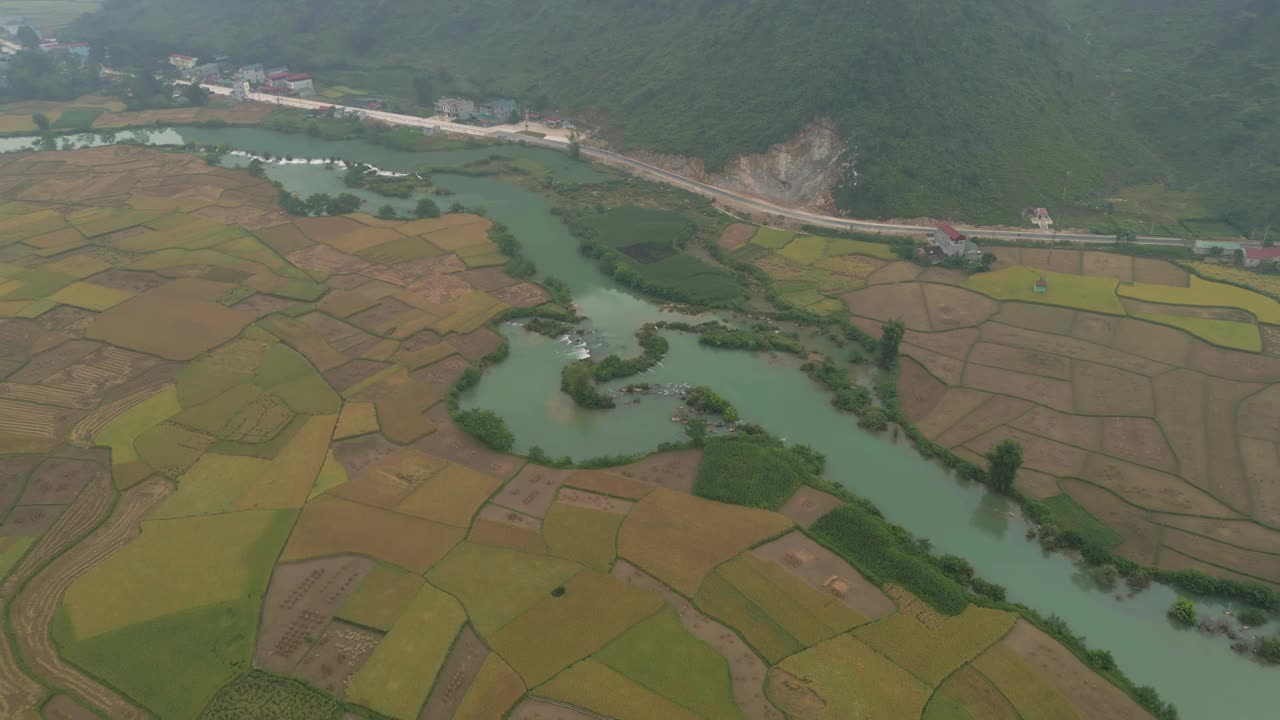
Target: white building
(183, 62)
(300, 83)
(455, 108)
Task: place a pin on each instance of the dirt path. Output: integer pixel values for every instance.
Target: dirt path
(746, 669)
(18, 692)
(32, 611)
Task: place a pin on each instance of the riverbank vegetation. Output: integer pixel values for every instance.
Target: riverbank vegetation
(752, 470)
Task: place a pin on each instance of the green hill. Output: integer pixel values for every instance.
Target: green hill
(970, 109)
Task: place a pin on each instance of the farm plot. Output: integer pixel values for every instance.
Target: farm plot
(498, 584)
(570, 624)
(1095, 294)
(850, 680)
(1208, 294)
(679, 538)
(397, 677)
(933, 653)
(494, 690)
(594, 686)
(330, 525)
(582, 534)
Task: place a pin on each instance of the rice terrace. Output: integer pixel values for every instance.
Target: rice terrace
(231, 447)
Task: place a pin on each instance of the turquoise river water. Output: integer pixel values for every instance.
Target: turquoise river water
(1199, 674)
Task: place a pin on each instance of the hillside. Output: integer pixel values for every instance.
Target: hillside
(1202, 80)
(967, 109)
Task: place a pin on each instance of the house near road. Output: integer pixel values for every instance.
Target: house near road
(500, 109)
(183, 62)
(1256, 256)
(252, 74)
(1225, 248)
(455, 108)
(207, 73)
(80, 50)
(300, 83)
(953, 243)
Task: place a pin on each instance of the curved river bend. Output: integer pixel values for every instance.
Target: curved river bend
(1199, 674)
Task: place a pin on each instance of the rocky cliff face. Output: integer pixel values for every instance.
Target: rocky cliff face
(798, 173)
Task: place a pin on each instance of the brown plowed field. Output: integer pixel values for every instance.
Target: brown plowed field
(952, 343)
(1171, 559)
(993, 413)
(1180, 409)
(894, 273)
(1159, 272)
(1262, 466)
(1157, 342)
(301, 599)
(1234, 365)
(808, 504)
(1044, 391)
(1070, 347)
(1039, 453)
(957, 403)
(1241, 533)
(952, 307)
(1226, 471)
(948, 369)
(1098, 329)
(1265, 566)
(32, 611)
(1077, 430)
(1102, 390)
(1141, 536)
(1088, 691)
(918, 390)
(1260, 415)
(1138, 440)
(1110, 265)
(1036, 485)
(1017, 359)
(1152, 489)
(1045, 318)
(888, 302)
(735, 236)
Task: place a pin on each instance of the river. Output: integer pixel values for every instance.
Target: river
(1199, 674)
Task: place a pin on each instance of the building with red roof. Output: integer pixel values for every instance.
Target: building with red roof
(953, 243)
(1255, 256)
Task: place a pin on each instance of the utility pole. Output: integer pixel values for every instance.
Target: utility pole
(1266, 234)
(1064, 186)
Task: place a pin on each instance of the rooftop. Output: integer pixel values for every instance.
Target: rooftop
(951, 232)
(1262, 253)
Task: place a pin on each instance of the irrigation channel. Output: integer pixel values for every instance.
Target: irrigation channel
(1200, 674)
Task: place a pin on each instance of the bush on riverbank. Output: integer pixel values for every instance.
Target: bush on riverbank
(705, 400)
(654, 347)
(487, 427)
(577, 380)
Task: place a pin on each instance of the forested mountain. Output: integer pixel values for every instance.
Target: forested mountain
(963, 108)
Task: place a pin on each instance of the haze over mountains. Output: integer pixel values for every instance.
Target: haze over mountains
(970, 109)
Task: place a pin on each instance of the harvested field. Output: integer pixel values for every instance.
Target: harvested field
(1039, 453)
(1091, 695)
(1234, 365)
(1080, 431)
(459, 671)
(933, 653)
(1101, 264)
(1171, 559)
(888, 302)
(449, 442)
(609, 483)
(895, 272)
(499, 527)
(808, 504)
(1056, 394)
(357, 418)
(497, 585)
(169, 326)
(1138, 440)
(335, 656)
(1102, 390)
(1259, 415)
(58, 481)
(476, 344)
(30, 520)
(380, 598)
(805, 612)
(672, 470)
(955, 404)
(1264, 566)
(1262, 462)
(533, 490)
(326, 260)
(968, 694)
(1061, 261)
(1020, 360)
(492, 693)
(444, 373)
(852, 681)
(735, 236)
(1139, 538)
(680, 538)
(560, 630)
(1159, 272)
(396, 679)
(952, 307)
(919, 391)
(300, 600)
(1152, 489)
(991, 414)
(330, 525)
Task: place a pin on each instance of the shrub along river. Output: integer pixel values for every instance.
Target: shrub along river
(1199, 674)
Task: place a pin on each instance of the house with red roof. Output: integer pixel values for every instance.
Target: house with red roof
(954, 243)
(183, 62)
(300, 83)
(1255, 256)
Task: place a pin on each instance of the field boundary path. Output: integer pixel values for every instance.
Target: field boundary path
(718, 193)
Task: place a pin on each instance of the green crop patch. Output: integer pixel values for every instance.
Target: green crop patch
(1071, 515)
(663, 657)
(259, 696)
(772, 238)
(721, 600)
(582, 534)
(743, 472)
(381, 597)
(631, 226)
(496, 584)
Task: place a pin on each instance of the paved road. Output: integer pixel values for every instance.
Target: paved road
(718, 193)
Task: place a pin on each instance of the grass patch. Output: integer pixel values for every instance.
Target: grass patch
(772, 238)
(744, 472)
(381, 597)
(1235, 335)
(212, 485)
(496, 584)
(843, 246)
(629, 226)
(932, 654)
(1071, 515)
(867, 541)
(594, 686)
(121, 432)
(90, 297)
(582, 535)
(394, 679)
(856, 682)
(495, 689)
(663, 657)
(1095, 294)
(1208, 294)
(558, 631)
(805, 250)
(170, 449)
(77, 118)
